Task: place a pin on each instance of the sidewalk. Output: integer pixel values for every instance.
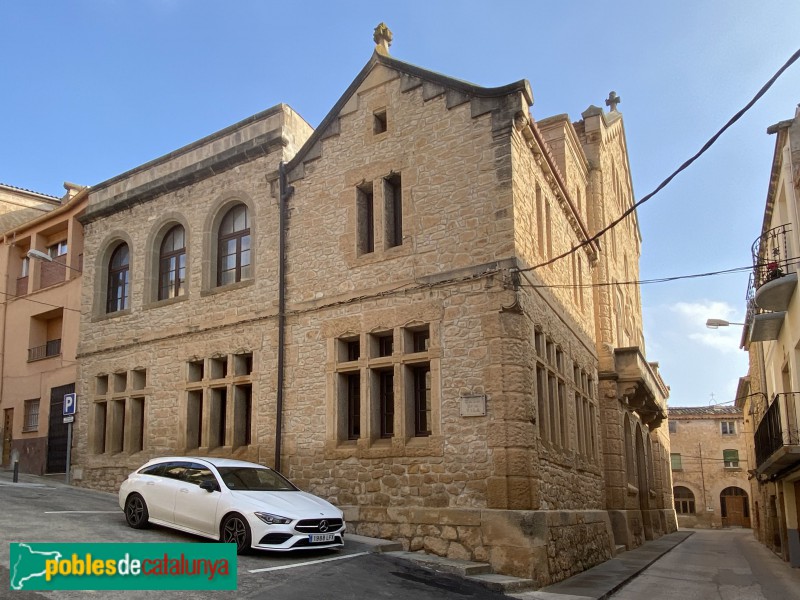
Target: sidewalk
(604, 579)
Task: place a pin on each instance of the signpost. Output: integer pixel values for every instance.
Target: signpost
(70, 407)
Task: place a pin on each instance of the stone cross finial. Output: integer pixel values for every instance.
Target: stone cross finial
(613, 100)
(383, 38)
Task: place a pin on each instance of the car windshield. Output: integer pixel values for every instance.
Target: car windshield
(254, 479)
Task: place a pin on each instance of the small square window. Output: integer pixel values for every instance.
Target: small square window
(195, 371)
(349, 349)
(219, 367)
(728, 427)
(730, 458)
(379, 124)
(139, 379)
(421, 340)
(101, 385)
(57, 249)
(120, 381)
(673, 426)
(242, 364)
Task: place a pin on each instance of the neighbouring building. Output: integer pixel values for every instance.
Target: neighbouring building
(39, 320)
(770, 394)
(371, 307)
(18, 205)
(709, 466)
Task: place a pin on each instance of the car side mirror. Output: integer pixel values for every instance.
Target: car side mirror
(209, 485)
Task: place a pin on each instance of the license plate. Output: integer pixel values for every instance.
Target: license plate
(320, 537)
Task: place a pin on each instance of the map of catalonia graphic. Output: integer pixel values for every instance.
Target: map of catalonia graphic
(30, 564)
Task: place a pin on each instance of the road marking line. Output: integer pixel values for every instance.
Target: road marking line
(313, 562)
(80, 512)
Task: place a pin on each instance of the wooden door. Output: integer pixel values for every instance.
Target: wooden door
(8, 423)
(735, 510)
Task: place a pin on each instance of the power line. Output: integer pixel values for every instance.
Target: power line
(684, 166)
(39, 302)
(788, 262)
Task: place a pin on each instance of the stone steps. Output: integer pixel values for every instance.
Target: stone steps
(478, 572)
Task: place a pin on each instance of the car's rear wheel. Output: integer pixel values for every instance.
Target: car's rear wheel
(136, 512)
(235, 530)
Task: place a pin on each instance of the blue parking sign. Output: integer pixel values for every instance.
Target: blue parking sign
(70, 403)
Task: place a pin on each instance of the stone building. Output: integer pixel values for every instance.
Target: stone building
(709, 466)
(39, 323)
(379, 307)
(770, 394)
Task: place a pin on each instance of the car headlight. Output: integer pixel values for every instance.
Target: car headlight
(271, 519)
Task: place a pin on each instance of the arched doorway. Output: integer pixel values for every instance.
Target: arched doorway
(735, 507)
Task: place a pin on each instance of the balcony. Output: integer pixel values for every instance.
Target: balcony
(640, 385)
(50, 349)
(774, 276)
(777, 439)
(760, 325)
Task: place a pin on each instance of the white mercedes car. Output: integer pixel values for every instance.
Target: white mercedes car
(231, 501)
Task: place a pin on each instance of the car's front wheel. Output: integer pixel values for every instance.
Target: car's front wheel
(235, 530)
(136, 512)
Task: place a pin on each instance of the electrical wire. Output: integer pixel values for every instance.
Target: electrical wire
(684, 166)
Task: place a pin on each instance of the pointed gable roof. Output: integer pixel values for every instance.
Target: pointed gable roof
(457, 90)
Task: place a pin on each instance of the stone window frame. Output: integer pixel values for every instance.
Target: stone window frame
(550, 372)
(374, 229)
(211, 229)
(152, 257)
(211, 384)
(100, 284)
(585, 409)
(118, 414)
(727, 427)
(370, 367)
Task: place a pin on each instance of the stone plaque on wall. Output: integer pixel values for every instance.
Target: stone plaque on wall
(473, 406)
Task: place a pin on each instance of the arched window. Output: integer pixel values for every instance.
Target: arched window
(684, 500)
(233, 258)
(118, 297)
(172, 264)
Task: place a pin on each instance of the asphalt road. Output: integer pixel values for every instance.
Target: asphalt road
(726, 564)
(53, 512)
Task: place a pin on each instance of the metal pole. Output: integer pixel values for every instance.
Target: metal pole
(16, 471)
(69, 450)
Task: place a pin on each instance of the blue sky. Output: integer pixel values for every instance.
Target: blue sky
(91, 88)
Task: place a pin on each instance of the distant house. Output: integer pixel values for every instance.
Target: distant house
(39, 327)
(770, 393)
(708, 456)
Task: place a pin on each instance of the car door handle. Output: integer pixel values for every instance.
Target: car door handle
(150, 483)
(184, 490)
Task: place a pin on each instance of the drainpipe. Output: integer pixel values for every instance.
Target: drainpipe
(285, 193)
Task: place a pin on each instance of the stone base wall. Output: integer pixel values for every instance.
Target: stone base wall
(632, 528)
(546, 546)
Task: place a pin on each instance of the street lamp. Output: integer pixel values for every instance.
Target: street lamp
(716, 323)
(39, 255)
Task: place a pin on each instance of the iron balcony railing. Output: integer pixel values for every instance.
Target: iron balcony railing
(771, 258)
(51, 348)
(771, 434)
